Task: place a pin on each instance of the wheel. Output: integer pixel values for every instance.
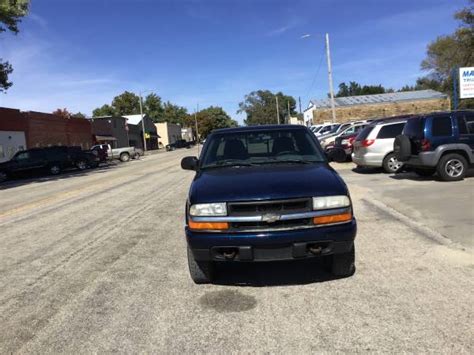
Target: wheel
(424, 172)
(344, 264)
(391, 165)
(402, 148)
(93, 164)
(201, 272)
(452, 167)
(81, 165)
(3, 176)
(124, 157)
(55, 169)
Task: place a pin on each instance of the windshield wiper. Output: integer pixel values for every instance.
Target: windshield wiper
(286, 161)
(227, 164)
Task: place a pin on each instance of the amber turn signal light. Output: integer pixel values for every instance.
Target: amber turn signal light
(208, 225)
(335, 218)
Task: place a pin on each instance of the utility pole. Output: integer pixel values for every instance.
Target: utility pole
(289, 113)
(143, 123)
(299, 100)
(278, 110)
(331, 88)
(196, 123)
(455, 74)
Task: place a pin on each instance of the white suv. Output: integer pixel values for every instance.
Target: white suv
(373, 146)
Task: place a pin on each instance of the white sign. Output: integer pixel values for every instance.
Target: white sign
(466, 83)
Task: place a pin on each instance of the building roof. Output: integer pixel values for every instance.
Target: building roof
(379, 98)
(134, 119)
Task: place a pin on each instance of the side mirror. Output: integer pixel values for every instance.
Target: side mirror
(190, 163)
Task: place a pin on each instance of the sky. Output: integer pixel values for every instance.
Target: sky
(79, 54)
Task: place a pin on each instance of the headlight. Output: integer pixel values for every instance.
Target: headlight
(208, 209)
(328, 202)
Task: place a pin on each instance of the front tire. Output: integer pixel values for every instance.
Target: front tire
(391, 165)
(124, 157)
(343, 265)
(3, 176)
(201, 272)
(55, 169)
(452, 167)
(81, 165)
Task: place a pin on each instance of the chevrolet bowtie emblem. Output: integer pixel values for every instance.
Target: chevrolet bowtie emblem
(270, 217)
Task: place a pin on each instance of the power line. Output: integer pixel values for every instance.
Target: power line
(317, 72)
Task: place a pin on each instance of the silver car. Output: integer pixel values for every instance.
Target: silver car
(328, 141)
(373, 146)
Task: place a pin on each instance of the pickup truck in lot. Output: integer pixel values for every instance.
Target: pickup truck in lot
(266, 193)
(123, 154)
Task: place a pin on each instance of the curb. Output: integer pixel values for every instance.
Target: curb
(425, 231)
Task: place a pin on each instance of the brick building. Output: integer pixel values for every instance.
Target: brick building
(20, 130)
(376, 106)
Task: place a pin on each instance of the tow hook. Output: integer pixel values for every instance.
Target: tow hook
(315, 249)
(229, 254)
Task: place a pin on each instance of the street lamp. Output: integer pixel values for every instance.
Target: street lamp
(331, 86)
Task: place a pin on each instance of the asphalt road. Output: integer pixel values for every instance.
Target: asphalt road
(96, 262)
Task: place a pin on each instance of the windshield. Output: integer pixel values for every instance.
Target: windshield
(261, 147)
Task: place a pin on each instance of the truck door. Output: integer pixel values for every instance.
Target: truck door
(465, 122)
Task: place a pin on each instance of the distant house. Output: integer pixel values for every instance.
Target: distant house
(376, 106)
(168, 132)
(135, 131)
(187, 134)
(111, 130)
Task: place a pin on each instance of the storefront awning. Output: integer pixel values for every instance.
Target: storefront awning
(105, 138)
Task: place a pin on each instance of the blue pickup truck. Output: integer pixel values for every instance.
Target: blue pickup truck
(266, 193)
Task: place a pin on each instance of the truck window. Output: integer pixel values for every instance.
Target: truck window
(441, 126)
(391, 131)
(414, 128)
(261, 147)
(469, 120)
(364, 133)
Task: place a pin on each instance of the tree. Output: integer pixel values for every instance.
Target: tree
(126, 103)
(63, 113)
(11, 12)
(212, 118)
(260, 107)
(153, 108)
(355, 89)
(105, 110)
(175, 114)
(451, 51)
(78, 115)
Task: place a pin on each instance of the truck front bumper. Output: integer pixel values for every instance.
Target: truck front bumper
(272, 245)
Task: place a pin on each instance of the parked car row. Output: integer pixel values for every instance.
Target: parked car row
(54, 160)
(439, 143)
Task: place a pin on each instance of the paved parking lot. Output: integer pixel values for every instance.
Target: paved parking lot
(96, 262)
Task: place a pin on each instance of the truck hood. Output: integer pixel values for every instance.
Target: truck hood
(265, 182)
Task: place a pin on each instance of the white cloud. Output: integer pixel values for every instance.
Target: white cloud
(44, 79)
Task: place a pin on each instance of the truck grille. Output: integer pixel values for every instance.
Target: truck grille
(257, 208)
(276, 207)
(278, 225)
